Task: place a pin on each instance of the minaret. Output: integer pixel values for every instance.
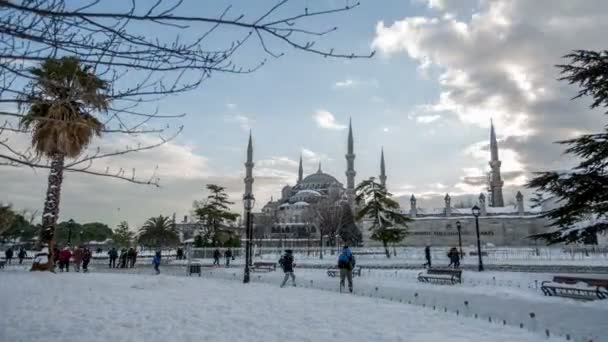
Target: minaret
(300, 170)
(249, 168)
(496, 183)
(350, 166)
(382, 169)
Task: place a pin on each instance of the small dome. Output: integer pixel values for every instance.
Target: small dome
(308, 193)
(301, 203)
(285, 205)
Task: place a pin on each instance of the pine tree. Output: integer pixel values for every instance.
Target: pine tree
(388, 224)
(214, 212)
(122, 236)
(349, 232)
(581, 191)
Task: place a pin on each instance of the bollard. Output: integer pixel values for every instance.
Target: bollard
(490, 319)
(532, 321)
(504, 322)
(457, 312)
(567, 337)
(521, 325)
(547, 333)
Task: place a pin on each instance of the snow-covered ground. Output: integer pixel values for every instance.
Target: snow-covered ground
(127, 307)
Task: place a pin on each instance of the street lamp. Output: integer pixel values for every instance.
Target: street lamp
(459, 228)
(81, 233)
(70, 225)
(476, 210)
(248, 202)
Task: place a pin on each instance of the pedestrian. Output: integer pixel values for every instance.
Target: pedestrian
(454, 257)
(346, 263)
(113, 254)
(56, 253)
(22, 255)
(156, 261)
(8, 254)
(131, 257)
(134, 257)
(77, 257)
(228, 256)
(427, 256)
(64, 259)
(122, 258)
(287, 264)
(86, 258)
(180, 253)
(216, 257)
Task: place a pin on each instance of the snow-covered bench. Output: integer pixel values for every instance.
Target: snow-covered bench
(264, 266)
(334, 271)
(441, 276)
(576, 287)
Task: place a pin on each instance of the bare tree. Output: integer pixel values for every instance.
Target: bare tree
(329, 218)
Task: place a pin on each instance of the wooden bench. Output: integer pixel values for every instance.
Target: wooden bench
(448, 276)
(334, 271)
(262, 266)
(583, 288)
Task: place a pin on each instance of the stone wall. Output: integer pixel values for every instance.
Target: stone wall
(441, 231)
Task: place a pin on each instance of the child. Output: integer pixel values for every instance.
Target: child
(287, 264)
(156, 262)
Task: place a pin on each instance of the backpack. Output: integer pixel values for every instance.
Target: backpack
(345, 258)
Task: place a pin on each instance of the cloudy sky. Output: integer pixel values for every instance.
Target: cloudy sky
(443, 69)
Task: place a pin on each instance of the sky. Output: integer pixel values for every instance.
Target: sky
(442, 70)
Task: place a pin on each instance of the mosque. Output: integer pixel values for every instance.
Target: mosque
(287, 218)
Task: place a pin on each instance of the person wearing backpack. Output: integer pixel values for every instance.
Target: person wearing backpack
(287, 264)
(156, 261)
(346, 263)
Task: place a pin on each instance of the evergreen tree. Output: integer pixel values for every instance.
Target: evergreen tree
(159, 232)
(581, 191)
(388, 224)
(349, 232)
(214, 212)
(122, 236)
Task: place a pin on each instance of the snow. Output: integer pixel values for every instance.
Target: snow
(123, 307)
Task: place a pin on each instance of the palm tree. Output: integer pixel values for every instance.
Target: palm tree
(159, 232)
(63, 95)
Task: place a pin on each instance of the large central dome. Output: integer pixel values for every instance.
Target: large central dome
(320, 178)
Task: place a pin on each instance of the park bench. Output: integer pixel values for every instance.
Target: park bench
(334, 271)
(194, 268)
(448, 276)
(261, 266)
(583, 288)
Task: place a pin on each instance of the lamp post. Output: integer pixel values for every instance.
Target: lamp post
(81, 234)
(476, 210)
(248, 202)
(70, 225)
(459, 228)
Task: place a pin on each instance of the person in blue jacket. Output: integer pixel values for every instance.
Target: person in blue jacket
(156, 262)
(346, 263)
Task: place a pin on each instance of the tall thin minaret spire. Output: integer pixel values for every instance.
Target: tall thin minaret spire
(382, 169)
(350, 165)
(300, 170)
(496, 182)
(249, 168)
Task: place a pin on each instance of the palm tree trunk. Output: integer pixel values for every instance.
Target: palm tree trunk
(51, 212)
(388, 253)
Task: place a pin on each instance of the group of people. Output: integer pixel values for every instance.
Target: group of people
(346, 264)
(227, 255)
(9, 253)
(80, 256)
(127, 257)
(453, 255)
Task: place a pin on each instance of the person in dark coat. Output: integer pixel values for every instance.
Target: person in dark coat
(228, 256)
(123, 258)
(216, 257)
(64, 259)
(287, 264)
(180, 253)
(156, 262)
(56, 252)
(113, 254)
(86, 259)
(427, 256)
(131, 257)
(8, 254)
(454, 257)
(346, 263)
(22, 255)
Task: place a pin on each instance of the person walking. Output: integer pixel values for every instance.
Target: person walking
(86, 258)
(346, 263)
(454, 257)
(216, 257)
(131, 255)
(156, 261)
(427, 256)
(228, 256)
(64, 259)
(77, 257)
(8, 255)
(56, 253)
(113, 254)
(287, 264)
(122, 259)
(22, 255)
(180, 253)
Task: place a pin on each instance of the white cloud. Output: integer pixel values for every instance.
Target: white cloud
(231, 105)
(313, 157)
(325, 119)
(385, 129)
(425, 119)
(244, 122)
(277, 161)
(345, 83)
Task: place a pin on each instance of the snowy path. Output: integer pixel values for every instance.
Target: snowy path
(120, 307)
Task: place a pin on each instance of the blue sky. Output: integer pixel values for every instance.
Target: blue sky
(442, 70)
